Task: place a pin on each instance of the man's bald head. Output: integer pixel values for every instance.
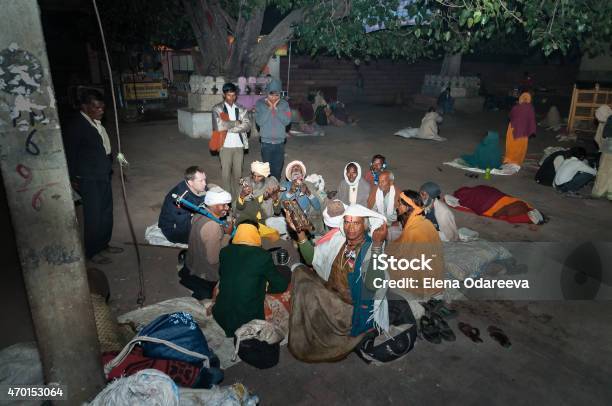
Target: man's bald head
(385, 181)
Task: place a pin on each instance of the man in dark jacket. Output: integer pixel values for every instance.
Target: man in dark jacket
(175, 221)
(88, 153)
(246, 273)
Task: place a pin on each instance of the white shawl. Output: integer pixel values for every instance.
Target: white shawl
(325, 254)
(380, 203)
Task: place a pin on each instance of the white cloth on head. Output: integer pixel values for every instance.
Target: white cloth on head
(389, 210)
(217, 195)
(325, 254)
(353, 186)
(291, 165)
(261, 168)
(429, 127)
(336, 221)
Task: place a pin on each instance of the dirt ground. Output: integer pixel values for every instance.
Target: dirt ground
(560, 353)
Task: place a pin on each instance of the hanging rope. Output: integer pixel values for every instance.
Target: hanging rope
(122, 162)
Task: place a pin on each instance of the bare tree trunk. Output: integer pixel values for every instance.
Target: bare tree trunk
(451, 65)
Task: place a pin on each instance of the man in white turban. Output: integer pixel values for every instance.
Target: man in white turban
(259, 196)
(208, 236)
(331, 308)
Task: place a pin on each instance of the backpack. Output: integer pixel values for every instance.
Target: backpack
(174, 336)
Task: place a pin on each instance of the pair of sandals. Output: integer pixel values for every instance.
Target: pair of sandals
(433, 326)
(471, 175)
(496, 333)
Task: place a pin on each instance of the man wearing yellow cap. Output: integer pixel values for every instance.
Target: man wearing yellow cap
(246, 273)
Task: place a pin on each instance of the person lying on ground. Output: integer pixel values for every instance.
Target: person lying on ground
(175, 221)
(207, 237)
(573, 172)
(353, 189)
(436, 211)
(246, 273)
(377, 165)
(490, 202)
(333, 306)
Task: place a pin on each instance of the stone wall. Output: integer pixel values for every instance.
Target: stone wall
(383, 81)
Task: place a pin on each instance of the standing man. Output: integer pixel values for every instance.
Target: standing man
(233, 118)
(88, 153)
(273, 115)
(175, 221)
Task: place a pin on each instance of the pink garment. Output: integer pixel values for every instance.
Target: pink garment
(522, 119)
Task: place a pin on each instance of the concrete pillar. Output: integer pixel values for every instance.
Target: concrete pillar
(38, 192)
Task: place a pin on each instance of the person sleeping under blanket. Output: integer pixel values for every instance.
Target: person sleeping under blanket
(490, 202)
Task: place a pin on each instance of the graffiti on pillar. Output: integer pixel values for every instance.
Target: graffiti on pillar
(26, 174)
(21, 76)
(21, 80)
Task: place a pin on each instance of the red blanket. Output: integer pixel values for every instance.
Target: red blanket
(182, 373)
(478, 198)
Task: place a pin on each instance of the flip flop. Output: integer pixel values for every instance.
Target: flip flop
(471, 332)
(498, 335)
(429, 330)
(446, 332)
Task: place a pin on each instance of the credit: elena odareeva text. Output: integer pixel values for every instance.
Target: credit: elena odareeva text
(384, 262)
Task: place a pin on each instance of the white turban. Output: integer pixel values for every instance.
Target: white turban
(261, 168)
(375, 219)
(291, 165)
(336, 221)
(217, 195)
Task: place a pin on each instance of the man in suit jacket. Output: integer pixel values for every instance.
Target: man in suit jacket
(88, 153)
(233, 118)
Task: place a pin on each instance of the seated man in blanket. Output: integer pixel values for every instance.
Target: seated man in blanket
(334, 307)
(259, 199)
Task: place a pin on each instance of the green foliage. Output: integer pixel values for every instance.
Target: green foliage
(440, 26)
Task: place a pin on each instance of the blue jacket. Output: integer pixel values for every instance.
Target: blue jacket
(272, 123)
(175, 222)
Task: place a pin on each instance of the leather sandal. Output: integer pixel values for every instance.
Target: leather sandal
(429, 330)
(498, 335)
(471, 332)
(446, 332)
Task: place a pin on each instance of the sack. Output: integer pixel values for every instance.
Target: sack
(174, 336)
(258, 343)
(217, 140)
(259, 354)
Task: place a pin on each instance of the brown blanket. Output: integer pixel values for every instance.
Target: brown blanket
(320, 322)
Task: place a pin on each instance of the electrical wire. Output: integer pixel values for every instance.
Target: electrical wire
(121, 158)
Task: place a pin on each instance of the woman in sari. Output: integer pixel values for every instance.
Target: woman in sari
(522, 125)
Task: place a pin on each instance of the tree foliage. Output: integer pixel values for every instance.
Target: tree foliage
(438, 27)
